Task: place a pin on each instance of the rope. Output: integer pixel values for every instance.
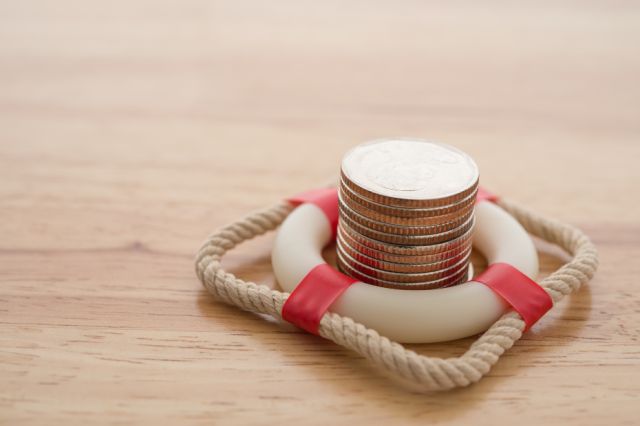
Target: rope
(419, 372)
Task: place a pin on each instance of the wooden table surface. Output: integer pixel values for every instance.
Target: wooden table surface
(131, 129)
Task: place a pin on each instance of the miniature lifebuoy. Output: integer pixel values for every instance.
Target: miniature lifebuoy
(409, 316)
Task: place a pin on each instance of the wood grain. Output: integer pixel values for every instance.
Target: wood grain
(131, 129)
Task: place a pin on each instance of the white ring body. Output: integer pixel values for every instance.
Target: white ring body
(409, 316)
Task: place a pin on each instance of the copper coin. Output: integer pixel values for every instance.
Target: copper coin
(397, 229)
(408, 240)
(445, 282)
(401, 277)
(410, 172)
(411, 268)
(386, 256)
(406, 250)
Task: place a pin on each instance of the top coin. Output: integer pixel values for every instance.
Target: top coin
(409, 172)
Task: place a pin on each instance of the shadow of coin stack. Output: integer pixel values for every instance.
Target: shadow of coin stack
(406, 214)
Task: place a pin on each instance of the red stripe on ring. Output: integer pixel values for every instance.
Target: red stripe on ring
(484, 195)
(309, 301)
(324, 198)
(524, 295)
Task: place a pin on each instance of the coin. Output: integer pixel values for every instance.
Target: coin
(405, 250)
(404, 219)
(425, 212)
(400, 258)
(409, 173)
(445, 282)
(389, 266)
(408, 240)
(404, 229)
(401, 277)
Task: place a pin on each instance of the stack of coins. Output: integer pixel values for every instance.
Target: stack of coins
(406, 214)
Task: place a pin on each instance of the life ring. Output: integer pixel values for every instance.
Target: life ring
(409, 316)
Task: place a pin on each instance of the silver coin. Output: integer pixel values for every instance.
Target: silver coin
(404, 249)
(390, 266)
(401, 277)
(403, 228)
(408, 172)
(379, 255)
(391, 216)
(444, 282)
(408, 240)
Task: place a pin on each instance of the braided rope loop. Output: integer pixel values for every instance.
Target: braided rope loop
(419, 372)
